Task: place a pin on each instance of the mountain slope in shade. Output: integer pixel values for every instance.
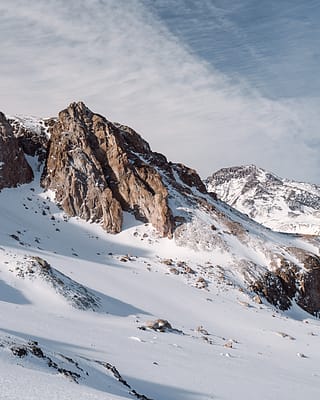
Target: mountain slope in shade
(280, 204)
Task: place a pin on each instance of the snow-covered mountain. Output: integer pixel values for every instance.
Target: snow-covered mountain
(183, 302)
(280, 204)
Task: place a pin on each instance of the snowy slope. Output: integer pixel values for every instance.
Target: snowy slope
(222, 345)
(280, 204)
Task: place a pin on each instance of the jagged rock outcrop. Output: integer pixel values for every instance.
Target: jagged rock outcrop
(14, 169)
(288, 282)
(98, 170)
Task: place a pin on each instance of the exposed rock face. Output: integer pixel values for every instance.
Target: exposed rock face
(98, 169)
(14, 169)
(288, 282)
(309, 288)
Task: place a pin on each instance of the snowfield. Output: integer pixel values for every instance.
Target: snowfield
(75, 306)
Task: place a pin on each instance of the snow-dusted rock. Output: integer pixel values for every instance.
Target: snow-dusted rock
(38, 269)
(32, 133)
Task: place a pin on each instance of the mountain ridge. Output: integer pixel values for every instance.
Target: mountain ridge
(98, 170)
(89, 312)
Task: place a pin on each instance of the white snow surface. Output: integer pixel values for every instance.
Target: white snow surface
(222, 346)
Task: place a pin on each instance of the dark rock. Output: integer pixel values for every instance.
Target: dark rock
(309, 286)
(19, 351)
(15, 237)
(190, 177)
(290, 283)
(272, 288)
(14, 169)
(36, 350)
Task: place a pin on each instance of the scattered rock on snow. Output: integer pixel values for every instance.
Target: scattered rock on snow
(174, 271)
(160, 325)
(189, 270)
(207, 340)
(228, 344)
(257, 299)
(201, 283)
(285, 335)
(167, 261)
(201, 329)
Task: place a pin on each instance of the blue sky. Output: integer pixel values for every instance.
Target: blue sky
(210, 84)
(274, 45)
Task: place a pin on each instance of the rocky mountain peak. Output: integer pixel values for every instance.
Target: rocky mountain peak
(77, 111)
(250, 173)
(99, 169)
(14, 169)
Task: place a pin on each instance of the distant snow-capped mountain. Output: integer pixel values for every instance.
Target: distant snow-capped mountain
(280, 204)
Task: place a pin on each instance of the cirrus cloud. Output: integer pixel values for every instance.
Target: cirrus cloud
(123, 61)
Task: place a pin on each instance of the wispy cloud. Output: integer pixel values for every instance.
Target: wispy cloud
(124, 63)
